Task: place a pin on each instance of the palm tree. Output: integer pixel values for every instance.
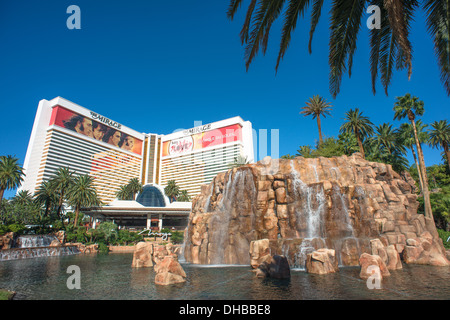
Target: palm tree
(11, 174)
(82, 193)
(45, 196)
(316, 107)
(410, 107)
(359, 125)
(390, 45)
(134, 186)
(406, 135)
(124, 193)
(61, 182)
(387, 138)
(440, 137)
(172, 190)
(23, 197)
(184, 196)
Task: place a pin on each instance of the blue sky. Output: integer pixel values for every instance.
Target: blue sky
(157, 66)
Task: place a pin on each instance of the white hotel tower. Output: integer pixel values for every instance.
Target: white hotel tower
(65, 134)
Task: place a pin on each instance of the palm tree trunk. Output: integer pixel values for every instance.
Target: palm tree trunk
(60, 203)
(77, 212)
(361, 148)
(423, 169)
(2, 191)
(447, 152)
(320, 130)
(418, 168)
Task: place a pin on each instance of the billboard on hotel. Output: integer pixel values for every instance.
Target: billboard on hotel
(96, 127)
(198, 138)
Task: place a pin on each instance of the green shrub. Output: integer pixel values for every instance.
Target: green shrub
(444, 235)
(3, 229)
(177, 237)
(103, 248)
(16, 228)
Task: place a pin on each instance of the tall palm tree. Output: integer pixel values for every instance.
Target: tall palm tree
(134, 186)
(23, 197)
(82, 193)
(440, 137)
(390, 45)
(409, 107)
(184, 196)
(124, 193)
(406, 134)
(172, 190)
(61, 182)
(316, 107)
(387, 138)
(45, 196)
(359, 125)
(11, 174)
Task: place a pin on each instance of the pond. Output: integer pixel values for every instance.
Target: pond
(110, 277)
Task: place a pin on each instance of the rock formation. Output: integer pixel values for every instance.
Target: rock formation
(274, 267)
(322, 261)
(143, 255)
(368, 262)
(169, 271)
(302, 205)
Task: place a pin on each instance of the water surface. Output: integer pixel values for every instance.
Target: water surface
(110, 277)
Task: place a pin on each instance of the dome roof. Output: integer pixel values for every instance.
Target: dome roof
(151, 196)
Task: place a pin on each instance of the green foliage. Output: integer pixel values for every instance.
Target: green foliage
(330, 147)
(184, 196)
(16, 228)
(103, 248)
(172, 190)
(239, 161)
(177, 237)
(3, 229)
(444, 235)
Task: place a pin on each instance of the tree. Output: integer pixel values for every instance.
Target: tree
(287, 156)
(11, 174)
(410, 107)
(316, 107)
(172, 190)
(390, 46)
(23, 197)
(61, 182)
(359, 125)
(45, 196)
(134, 187)
(124, 193)
(82, 193)
(184, 196)
(406, 136)
(440, 137)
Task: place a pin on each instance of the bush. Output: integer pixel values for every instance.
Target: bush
(103, 248)
(444, 235)
(16, 228)
(177, 237)
(3, 229)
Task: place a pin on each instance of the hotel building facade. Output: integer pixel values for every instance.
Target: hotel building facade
(65, 134)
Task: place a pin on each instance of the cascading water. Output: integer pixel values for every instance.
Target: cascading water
(35, 246)
(33, 241)
(309, 216)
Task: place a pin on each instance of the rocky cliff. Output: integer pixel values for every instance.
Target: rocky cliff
(302, 205)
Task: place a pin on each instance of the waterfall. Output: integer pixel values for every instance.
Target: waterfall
(312, 213)
(35, 246)
(33, 241)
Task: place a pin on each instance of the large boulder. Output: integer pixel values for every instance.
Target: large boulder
(424, 250)
(274, 267)
(389, 254)
(369, 263)
(322, 261)
(142, 256)
(7, 240)
(259, 250)
(169, 271)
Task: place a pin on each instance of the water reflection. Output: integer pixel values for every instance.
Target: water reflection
(111, 277)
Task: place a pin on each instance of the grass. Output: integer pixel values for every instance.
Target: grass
(6, 295)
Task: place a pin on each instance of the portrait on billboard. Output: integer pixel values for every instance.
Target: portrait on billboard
(94, 129)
